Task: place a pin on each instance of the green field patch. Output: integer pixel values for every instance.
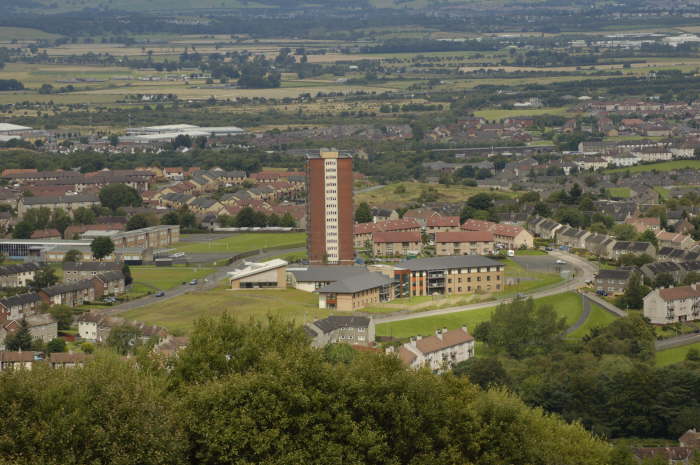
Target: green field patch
(497, 114)
(243, 242)
(567, 305)
(620, 192)
(675, 355)
(164, 278)
(180, 313)
(663, 166)
(598, 318)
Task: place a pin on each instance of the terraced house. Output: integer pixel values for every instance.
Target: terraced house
(464, 243)
(17, 275)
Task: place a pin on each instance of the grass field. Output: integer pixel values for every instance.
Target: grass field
(243, 242)
(167, 277)
(389, 195)
(675, 355)
(663, 192)
(496, 114)
(567, 305)
(180, 313)
(597, 318)
(663, 166)
(620, 192)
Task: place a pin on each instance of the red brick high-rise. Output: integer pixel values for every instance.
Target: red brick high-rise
(329, 208)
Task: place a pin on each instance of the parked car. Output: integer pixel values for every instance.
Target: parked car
(160, 294)
(548, 249)
(560, 262)
(601, 292)
(193, 282)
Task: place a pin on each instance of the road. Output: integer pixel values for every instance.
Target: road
(677, 341)
(584, 316)
(208, 282)
(585, 271)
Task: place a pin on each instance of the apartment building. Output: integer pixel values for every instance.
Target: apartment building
(464, 243)
(506, 236)
(453, 275)
(356, 292)
(353, 330)
(439, 352)
(673, 304)
(396, 243)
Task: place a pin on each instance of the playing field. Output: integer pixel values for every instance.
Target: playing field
(620, 192)
(663, 166)
(180, 313)
(243, 242)
(165, 278)
(567, 305)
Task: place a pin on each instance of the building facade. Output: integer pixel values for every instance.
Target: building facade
(329, 208)
(673, 304)
(465, 274)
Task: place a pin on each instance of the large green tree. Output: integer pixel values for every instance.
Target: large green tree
(44, 277)
(101, 247)
(124, 339)
(522, 328)
(114, 196)
(363, 214)
(21, 339)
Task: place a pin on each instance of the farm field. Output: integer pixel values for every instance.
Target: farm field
(388, 194)
(243, 242)
(567, 305)
(180, 313)
(675, 355)
(663, 166)
(497, 114)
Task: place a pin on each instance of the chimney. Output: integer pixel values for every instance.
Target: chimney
(464, 328)
(438, 334)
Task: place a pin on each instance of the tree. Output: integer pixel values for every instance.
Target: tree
(522, 329)
(664, 280)
(481, 201)
(137, 221)
(84, 215)
(126, 271)
(649, 236)
(73, 255)
(632, 337)
(486, 372)
(634, 293)
(113, 140)
(60, 220)
(124, 338)
(542, 209)
(114, 196)
(624, 232)
(44, 277)
(101, 247)
(363, 214)
(575, 193)
(22, 230)
(56, 345)
(288, 221)
(21, 339)
(63, 314)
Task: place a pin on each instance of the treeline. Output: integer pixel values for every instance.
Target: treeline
(429, 45)
(608, 380)
(249, 218)
(258, 393)
(10, 84)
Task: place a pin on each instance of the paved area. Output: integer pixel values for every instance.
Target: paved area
(677, 341)
(584, 315)
(583, 271)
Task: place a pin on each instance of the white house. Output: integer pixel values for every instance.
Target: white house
(438, 352)
(672, 304)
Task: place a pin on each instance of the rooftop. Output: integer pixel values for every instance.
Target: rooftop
(444, 263)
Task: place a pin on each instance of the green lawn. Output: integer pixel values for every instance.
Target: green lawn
(620, 192)
(180, 313)
(243, 242)
(675, 355)
(497, 114)
(166, 277)
(663, 166)
(597, 318)
(530, 252)
(663, 192)
(567, 305)
(411, 191)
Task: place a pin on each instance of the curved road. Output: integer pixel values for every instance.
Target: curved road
(585, 271)
(208, 282)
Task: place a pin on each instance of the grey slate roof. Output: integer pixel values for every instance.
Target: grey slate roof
(336, 322)
(19, 299)
(9, 270)
(357, 283)
(632, 246)
(443, 263)
(80, 198)
(320, 273)
(614, 274)
(67, 287)
(91, 266)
